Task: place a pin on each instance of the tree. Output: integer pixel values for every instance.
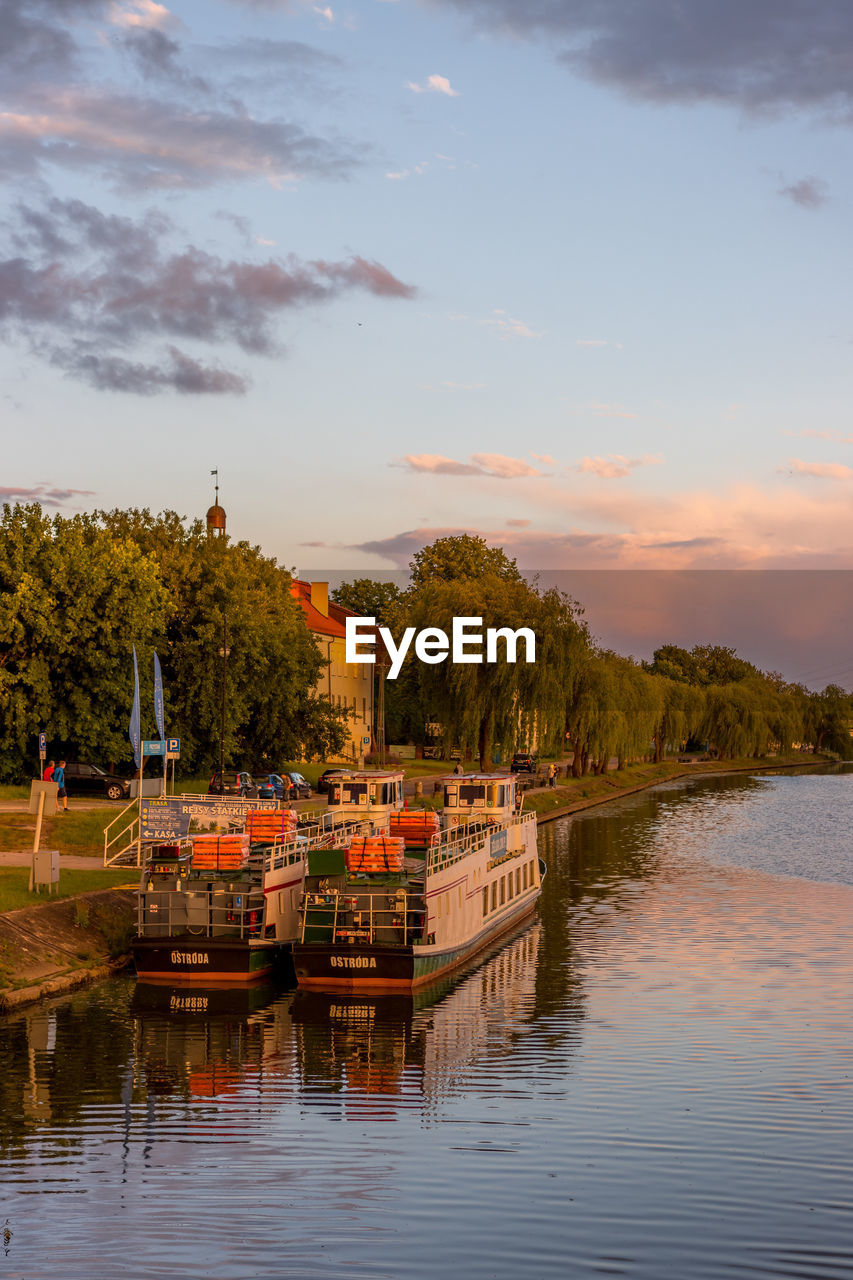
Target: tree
(370, 599)
(221, 589)
(74, 598)
(488, 705)
(460, 558)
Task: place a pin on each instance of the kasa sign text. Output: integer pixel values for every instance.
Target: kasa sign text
(432, 644)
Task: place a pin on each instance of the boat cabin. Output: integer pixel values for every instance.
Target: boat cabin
(475, 796)
(367, 794)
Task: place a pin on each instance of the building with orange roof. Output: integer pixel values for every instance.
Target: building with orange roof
(348, 685)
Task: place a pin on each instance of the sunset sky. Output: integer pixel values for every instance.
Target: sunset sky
(572, 274)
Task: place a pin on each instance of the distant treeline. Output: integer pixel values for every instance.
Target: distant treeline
(77, 592)
(578, 698)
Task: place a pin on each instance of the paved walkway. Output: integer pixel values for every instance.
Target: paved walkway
(23, 857)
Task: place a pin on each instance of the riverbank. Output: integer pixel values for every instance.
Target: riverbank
(582, 793)
(55, 946)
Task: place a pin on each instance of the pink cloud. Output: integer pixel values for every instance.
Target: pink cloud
(821, 470)
(616, 466)
(496, 465)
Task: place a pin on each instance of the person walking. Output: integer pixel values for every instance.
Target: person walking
(47, 776)
(61, 793)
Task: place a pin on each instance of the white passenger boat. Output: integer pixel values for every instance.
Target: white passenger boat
(432, 905)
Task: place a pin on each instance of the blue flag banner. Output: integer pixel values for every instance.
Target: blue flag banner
(158, 697)
(133, 727)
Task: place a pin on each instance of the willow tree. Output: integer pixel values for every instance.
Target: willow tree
(493, 705)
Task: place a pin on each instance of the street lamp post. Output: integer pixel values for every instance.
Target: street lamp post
(224, 651)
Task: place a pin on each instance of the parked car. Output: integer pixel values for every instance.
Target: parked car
(523, 762)
(272, 786)
(89, 779)
(328, 777)
(233, 783)
(301, 786)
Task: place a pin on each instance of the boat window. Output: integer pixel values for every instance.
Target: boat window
(399, 788)
(353, 792)
(524, 876)
(451, 795)
(509, 886)
(518, 880)
(485, 900)
(470, 793)
(494, 894)
(503, 890)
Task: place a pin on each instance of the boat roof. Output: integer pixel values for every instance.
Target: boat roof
(478, 777)
(371, 775)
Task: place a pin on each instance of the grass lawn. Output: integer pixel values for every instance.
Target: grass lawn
(78, 832)
(14, 880)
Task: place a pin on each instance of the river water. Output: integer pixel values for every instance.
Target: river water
(653, 1079)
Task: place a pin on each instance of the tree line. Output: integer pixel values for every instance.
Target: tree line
(578, 697)
(77, 592)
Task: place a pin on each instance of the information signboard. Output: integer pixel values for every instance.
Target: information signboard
(164, 820)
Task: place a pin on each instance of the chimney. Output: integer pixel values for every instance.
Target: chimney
(320, 597)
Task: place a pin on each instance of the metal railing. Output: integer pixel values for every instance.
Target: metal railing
(165, 913)
(128, 833)
(347, 918)
(452, 845)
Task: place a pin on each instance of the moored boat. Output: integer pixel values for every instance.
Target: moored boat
(388, 918)
(225, 909)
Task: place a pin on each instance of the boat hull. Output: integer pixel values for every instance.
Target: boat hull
(188, 959)
(378, 968)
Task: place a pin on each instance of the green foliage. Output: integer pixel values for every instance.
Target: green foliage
(73, 598)
(461, 558)
(230, 596)
(370, 599)
(491, 705)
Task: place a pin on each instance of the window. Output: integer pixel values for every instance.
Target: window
(524, 869)
(494, 894)
(518, 880)
(485, 900)
(503, 890)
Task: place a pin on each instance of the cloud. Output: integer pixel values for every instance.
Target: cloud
(47, 495)
(767, 55)
(615, 466)
(808, 193)
(145, 14)
(820, 470)
(811, 434)
(611, 411)
(114, 283)
(496, 465)
(517, 524)
(509, 327)
(597, 342)
(147, 143)
(434, 84)
(180, 373)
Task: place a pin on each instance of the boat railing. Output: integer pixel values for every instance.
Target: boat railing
(363, 918)
(164, 913)
(285, 850)
(457, 843)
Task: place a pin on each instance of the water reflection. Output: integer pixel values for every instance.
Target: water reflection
(664, 1050)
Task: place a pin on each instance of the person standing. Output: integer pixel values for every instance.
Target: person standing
(552, 775)
(47, 776)
(61, 793)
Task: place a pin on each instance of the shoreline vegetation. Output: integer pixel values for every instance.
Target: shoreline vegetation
(84, 936)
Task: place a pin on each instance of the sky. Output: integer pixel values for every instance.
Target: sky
(570, 274)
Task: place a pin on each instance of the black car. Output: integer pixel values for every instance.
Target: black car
(233, 783)
(89, 780)
(523, 762)
(300, 787)
(325, 779)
